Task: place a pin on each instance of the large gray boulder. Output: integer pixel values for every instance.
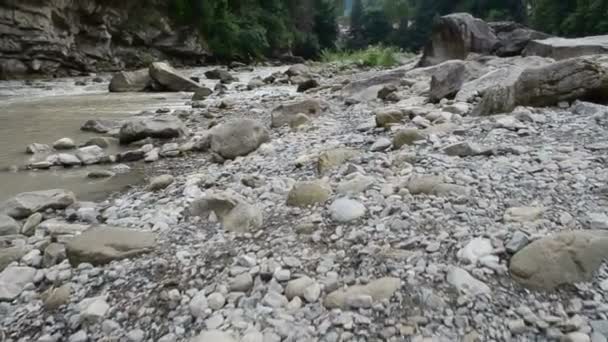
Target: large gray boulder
(288, 112)
(234, 211)
(164, 127)
(513, 37)
(447, 81)
(567, 80)
(170, 79)
(100, 245)
(23, 205)
(564, 48)
(128, 81)
(237, 138)
(456, 35)
(8, 226)
(564, 258)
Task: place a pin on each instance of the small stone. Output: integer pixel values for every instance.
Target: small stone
(93, 309)
(282, 275)
(13, 281)
(241, 283)
(576, 337)
(381, 144)
(359, 301)
(64, 144)
(464, 282)
(213, 336)
(297, 287)
(136, 335)
(80, 336)
(346, 210)
(275, 300)
(475, 250)
(517, 326)
(308, 193)
(518, 241)
(523, 214)
(216, 301)
(53, 298)
(160, 182)
(312, 292)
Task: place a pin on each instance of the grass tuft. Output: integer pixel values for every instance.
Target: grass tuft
(373, 56)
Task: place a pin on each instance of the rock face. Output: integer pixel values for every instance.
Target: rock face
(564, 258)
(65, 38)
(576, 78)
(564, 48)
(170, 79)
(285, 113)
(165, 127)
(456, 35)
(27, 203)
(100, 245)
(236, 214)
(238, 138)
(127, 81)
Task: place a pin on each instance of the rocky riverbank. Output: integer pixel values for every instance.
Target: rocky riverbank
(373, 206)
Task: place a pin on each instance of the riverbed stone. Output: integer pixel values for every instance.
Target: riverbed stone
(346, 210)
(201, 94)
(160, 182)
(562, 258)
(170, 79)
(128, 81)
(407, 136)
(378, 289)
(24, 204)
(99, 126)
(214, 336)
(162, 127)
(31, 224)
(234, 211)
(331, 159)
(286, 113)
(100, 245)
(37, 148)
(8, 226)
(13, 281)
(523, 214)
(64, 144)
(89, 155)
(238, 138)
(67, 159)
(466, 283)
(54, 253)
(308, 193)
(12, 254)
(55, 297)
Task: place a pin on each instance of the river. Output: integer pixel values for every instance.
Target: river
(44, 111)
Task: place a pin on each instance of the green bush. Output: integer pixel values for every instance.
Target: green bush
(373, 56)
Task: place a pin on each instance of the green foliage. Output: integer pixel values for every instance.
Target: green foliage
(252, 29)
(373, 56)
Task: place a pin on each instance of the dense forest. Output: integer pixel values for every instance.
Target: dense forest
(248, 29)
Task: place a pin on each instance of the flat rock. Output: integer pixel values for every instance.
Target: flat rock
(160, 182)
(100, 245)
(346, 210)
(333, 158)
(235, 213)
(308, 193)
(13, 280)
(8, 226)
(523, 214)
(214, 336)
(24, 204)
(170, 79)
(563, 258)
(466, 283)
(286, 113)
(89, 155)
(238, 138)
(128, 81)
(562, 48)
(378, 289)
(163, 127)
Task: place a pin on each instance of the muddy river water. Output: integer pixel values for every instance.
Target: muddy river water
(44, 111)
